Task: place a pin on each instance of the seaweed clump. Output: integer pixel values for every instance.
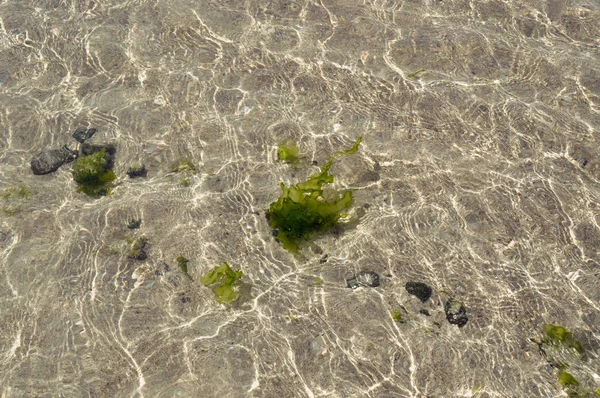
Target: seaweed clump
(183, 165)
(301, 210)
(224, 278)
(288, 152)
(556, 346)
(93, 175)
(559, 336)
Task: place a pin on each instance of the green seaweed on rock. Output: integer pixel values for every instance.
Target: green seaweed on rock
(93, 175)
(301, 210)
(137, 248)
(224, 278)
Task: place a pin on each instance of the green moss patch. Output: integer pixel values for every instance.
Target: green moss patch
(301, 209)
(224, 279)
(93, 175)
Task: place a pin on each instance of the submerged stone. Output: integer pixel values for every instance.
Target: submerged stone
(49, 161)
(81, 135)
(134, 224)
(364, 279)
(456, 313)
(138, 248)
(419, 289)
(137, 171)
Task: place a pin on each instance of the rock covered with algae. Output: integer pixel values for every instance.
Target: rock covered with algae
(301, 210)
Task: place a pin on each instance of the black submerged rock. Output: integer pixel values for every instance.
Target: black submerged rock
(419, 289)
(134, 224)
(456, 313)
(137, 171)
(365, 279)
(49, 161)
(83, 134)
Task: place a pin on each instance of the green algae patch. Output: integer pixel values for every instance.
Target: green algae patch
(183, 165)
(301, 209)
(183, 262)
(397, 316)
(16, 192)
(93, 175)
(559, 336)
(12, 198)
(224, 279)
(416, 75)
(567, 380)
(288, 152)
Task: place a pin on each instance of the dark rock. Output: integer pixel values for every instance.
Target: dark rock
(83, 134)
(365, 279)
(137, 171)
(456, 313)
(49, 161)
(370, 176)
(419, 289)
(134, 224)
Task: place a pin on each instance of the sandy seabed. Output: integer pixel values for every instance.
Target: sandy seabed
(478, 175)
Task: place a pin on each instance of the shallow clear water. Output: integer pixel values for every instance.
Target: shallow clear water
(478, 176)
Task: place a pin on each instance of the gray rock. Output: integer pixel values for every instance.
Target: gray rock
(365, 279)
(49, 161)
(456, 313)
(83, 134)
(419, 289)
